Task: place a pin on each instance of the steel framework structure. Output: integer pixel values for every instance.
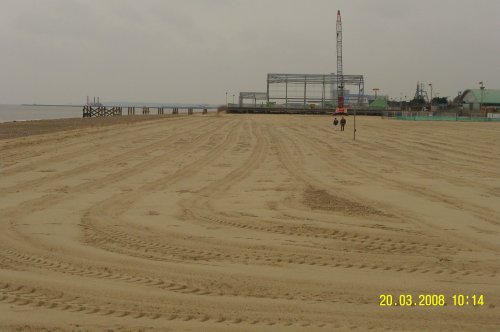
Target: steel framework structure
(301, 90)
(253, 96)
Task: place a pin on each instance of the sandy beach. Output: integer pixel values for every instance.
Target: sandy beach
(249, 223)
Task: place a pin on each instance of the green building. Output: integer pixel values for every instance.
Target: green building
(488, 98)
(379, 103)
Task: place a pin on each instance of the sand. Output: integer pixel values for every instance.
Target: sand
(15, 129)
(250, 223)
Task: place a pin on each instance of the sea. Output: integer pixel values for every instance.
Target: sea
(10, 113)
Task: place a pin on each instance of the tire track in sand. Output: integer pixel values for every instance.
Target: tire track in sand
(301, 174)
(37, 204)
(107, 135)
(102, 163)
(38, 297)
(422, 191)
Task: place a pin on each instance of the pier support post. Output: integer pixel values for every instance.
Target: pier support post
(86, 112)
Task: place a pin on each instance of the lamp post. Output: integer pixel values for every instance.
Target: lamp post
(233, 99)
(481, 86)
(354, 129)
(430, 101)
(226, 98)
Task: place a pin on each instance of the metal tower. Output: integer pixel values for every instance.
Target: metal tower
(340, 75)
(421, 94)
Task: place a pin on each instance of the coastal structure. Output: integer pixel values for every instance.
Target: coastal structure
(307, 93)
(102, 111)
(93, 103)
(302, 93)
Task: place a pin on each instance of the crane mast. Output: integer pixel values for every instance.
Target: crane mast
(341, 109)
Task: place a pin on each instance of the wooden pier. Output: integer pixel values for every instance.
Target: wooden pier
(104, 111)
(90, 111)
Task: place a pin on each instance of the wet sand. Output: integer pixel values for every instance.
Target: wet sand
(249, 223)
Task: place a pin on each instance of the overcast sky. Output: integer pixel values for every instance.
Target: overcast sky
(60, 51)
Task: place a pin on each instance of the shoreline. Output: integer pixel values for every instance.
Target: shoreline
(32, 112)
(50, 105)
(25, 128)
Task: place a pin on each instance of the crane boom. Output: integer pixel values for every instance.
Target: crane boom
(341, 109)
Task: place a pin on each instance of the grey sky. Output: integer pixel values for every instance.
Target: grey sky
(196, 50)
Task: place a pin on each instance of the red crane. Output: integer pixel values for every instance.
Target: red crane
(341, 109)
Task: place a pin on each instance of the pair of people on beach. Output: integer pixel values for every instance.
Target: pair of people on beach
(342, 123)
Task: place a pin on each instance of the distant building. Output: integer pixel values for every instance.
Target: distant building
(361, 100)
(380, 103)
(488, 98)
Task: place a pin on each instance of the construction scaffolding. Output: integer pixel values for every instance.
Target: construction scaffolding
(253, 97)
(309, 91)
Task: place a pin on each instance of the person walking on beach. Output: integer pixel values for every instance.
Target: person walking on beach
(335, 123)
(342, 124)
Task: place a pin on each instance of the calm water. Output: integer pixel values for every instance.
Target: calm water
(20, 113)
